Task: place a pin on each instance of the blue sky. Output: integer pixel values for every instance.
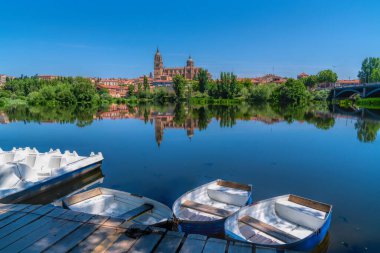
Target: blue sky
(250, 38)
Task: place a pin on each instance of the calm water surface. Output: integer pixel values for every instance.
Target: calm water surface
(161, 152)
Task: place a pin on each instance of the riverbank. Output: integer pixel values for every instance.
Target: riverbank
(369, 103)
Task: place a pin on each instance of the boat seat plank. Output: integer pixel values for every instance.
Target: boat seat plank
(170, 243)
(134, 213)
(206, 208)
(309, 203)
(268, 229)
(82, 196)
(234, 185)
(214, 245)
(193, 244)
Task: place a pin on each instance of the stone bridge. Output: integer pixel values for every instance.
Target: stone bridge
(363, 90)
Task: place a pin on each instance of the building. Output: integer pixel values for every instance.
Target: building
(347, 82)
(269, 78)
(3, 79)
(162, 74)
(47, 77)
(302, 75)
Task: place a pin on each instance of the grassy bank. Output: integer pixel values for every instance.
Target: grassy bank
(371, 103)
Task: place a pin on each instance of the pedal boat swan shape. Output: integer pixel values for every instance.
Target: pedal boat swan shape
(204, 209)
(286, 222)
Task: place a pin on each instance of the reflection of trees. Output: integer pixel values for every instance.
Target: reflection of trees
(81, 116)
(367, 130)
(225, 114)
(321, 121)
(179, 113)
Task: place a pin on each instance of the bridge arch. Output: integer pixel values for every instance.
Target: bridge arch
(372, 92)
(347, 93)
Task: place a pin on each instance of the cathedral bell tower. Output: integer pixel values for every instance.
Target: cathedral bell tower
(158, 65)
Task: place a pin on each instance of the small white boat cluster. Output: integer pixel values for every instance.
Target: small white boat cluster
(219, 208)
(21, 168)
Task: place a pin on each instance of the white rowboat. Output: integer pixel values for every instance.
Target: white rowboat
(119, 204)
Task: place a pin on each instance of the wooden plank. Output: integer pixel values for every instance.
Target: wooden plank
(170, 242)
(92, 241)
(267, 250)
(238, 247)
(234, 185)
(268, 229)
(107, 243)
(122, 244)
(50, 227)
(23, 221)
(310, 203)
(79, 197)
(206, 209)
(52, 238)
(135, 212)
(214, 245)
(78, 235)
(146, 243)
(193, 244)
(7, 219)
(22, 232)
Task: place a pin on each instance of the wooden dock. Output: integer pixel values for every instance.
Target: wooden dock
(45, 228)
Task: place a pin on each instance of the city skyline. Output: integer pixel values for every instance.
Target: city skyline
(249, 38)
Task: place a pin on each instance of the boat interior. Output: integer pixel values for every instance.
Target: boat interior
(280, 220)
(213, 201)
(123, 205)
(20, 168)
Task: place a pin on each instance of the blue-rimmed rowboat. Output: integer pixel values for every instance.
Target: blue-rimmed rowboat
(285, 222)
(204, 209)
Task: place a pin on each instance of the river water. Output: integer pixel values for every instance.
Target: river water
(327, 154)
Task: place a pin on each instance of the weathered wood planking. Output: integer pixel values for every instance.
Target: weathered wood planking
(28, 228)
(193, 244)
(310, 203)
(170, 242)
(206, 209)
(234, 185)
(214, 245)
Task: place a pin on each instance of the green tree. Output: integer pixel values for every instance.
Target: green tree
(327, 76)
(227, 85)
(179, 86)
(203, 80)
(131, 90)
(146, 83)
(369, 65)
(246, 83)
(310, 81)
(293, 92)
(375, 75)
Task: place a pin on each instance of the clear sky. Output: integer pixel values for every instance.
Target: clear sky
(251, 38)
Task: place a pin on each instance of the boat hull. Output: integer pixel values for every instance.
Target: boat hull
(306, 244)
(47, 191)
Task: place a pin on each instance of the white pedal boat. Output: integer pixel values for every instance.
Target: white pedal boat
(27, 172)
(204, 209)
(286, 222)
(119, 204)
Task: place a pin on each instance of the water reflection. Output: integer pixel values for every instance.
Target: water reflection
(191, 117)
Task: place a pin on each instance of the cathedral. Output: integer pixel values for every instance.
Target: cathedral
(166, 74)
